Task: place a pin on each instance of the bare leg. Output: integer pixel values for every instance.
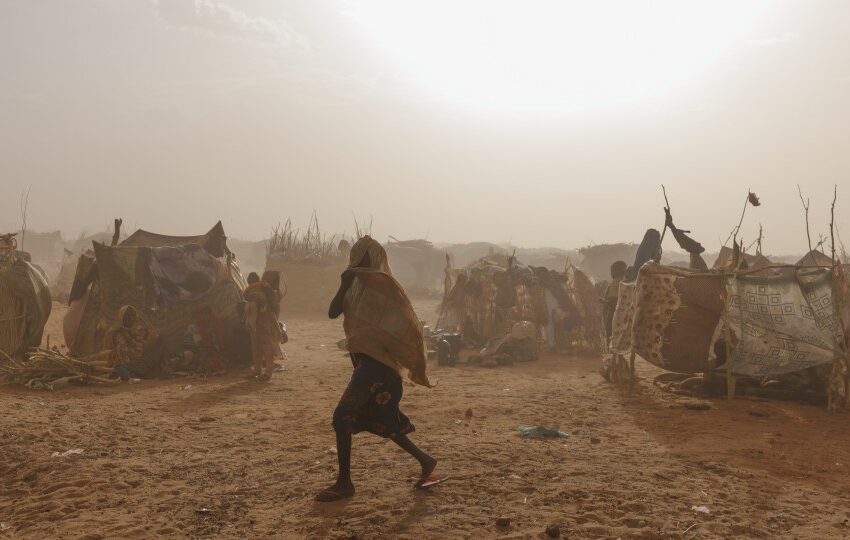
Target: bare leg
(427, 462)
(343, 487)
(258, 362)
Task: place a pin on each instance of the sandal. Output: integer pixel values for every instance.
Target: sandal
(429, 481)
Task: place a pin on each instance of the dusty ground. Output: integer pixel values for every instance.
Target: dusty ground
(253, 455)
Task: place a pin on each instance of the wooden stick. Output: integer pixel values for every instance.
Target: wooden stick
(657, 256)
(832, 221)
(737, 229)
(806, 204)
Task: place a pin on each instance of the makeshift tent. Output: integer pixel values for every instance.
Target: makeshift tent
(783, 324)
(24, 302)
(488, 297)
(668, 316)
(163, 277)
(214, 242)
(756, 261)
(779, 324)
(815, 258)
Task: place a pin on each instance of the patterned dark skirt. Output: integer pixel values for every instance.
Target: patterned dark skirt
(370, 401)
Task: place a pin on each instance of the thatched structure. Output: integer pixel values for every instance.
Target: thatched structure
(310, 263)
(24, 301)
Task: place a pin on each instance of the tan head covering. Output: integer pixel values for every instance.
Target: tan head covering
(377, 256)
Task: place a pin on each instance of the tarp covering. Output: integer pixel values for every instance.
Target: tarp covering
(783, 324)
(164, 283)
(779, 323)
(668, 317)
(25, 288)
(214, 241)
(624, 315)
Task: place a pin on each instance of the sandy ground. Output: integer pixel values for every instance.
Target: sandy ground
(253, 455)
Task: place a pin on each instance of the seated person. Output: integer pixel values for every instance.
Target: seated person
(204, 343)
(239, 343)
(136, 350)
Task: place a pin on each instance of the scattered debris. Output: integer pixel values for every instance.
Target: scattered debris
(701, 509)
(203, 511)
(539, 432)
(553, 531)
(206, 419)
(503, 522)
(759, 414)
(67, 453)
(51, 369)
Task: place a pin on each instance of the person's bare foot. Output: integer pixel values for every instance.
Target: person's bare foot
(335, 492)
(428, 466)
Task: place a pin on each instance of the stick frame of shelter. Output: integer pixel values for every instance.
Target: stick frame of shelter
(730, 377)
(737, 228)
(657, 256)
(806, 204)
(116, 231)
(832, 222)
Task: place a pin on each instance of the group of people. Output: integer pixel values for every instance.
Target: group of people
(207, 345)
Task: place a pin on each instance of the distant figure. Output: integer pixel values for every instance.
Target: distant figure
(344, 247)
(136, 349)
(260, 316)
(253, 277)
(371, 399)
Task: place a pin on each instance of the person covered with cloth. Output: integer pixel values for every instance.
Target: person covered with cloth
(260, 316)
(383, 337)
(136, 350)
(204, 343)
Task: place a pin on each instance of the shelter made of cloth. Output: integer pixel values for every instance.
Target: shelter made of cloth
(783, 323)
(668, 316)
(165, 281)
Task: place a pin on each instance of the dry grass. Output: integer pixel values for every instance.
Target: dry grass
(311, 245)
(52, 369)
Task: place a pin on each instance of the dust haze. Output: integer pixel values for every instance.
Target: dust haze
(173, 114)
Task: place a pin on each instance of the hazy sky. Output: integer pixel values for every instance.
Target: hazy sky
(536, 122)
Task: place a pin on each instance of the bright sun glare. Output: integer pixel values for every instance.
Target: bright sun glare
(553, 56)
